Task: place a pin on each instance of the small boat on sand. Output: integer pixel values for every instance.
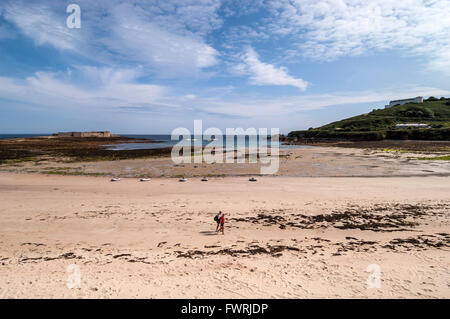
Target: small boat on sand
(145, 179)
(204, 179)
(115, 179)
(182, 179)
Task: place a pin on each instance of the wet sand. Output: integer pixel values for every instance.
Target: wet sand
(303, 162)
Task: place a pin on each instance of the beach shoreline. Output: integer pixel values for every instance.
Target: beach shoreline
(299, 162)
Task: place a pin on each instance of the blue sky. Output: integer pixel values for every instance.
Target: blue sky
(152, 66)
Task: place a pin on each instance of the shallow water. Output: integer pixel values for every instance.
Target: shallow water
(165, 141)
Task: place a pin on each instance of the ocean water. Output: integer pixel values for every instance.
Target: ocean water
(4, 136)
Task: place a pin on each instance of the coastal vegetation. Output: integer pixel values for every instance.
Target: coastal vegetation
(437, 158)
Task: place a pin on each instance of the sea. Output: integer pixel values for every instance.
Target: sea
(164, 140)
(4, 136)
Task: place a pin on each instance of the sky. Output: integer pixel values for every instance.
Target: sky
(148, 67)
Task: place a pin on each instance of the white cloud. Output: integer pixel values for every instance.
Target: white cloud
(142, 41)
(109, 90)
(171, 36)
(167, 37)
(103, 88)
(287, 106)
(266, 74)
(329, 29)
(115, 98)
(41, 24)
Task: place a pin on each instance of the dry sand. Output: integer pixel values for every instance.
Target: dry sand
(285, 237)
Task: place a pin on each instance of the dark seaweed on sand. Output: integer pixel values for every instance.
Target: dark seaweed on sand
(387, 218)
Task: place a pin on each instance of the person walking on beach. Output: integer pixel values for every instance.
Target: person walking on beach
(217, 219)
(222, 224)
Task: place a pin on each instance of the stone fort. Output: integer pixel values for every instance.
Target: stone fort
(84, 134)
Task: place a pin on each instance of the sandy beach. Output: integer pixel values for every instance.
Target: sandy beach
(316, 132)
(285, 237)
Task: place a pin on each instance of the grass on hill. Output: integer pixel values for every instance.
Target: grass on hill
(380, 123)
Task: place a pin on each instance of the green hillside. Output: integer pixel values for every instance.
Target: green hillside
(380, 124)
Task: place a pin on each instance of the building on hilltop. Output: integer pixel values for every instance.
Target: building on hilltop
(84, 134)
(406, 125)
(418, 99)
